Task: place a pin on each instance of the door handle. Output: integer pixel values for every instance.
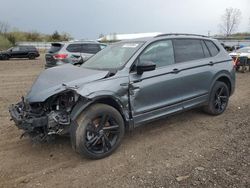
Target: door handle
(211, 63)
(175, 71)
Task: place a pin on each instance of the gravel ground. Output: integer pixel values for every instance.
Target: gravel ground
(191, 149)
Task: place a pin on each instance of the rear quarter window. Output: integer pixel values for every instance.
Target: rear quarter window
(102, 46)
(205, 49)
(188, 50)
(214, 50)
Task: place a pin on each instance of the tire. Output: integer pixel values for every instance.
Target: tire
(218, 99)
(31, 56)
(98, 131)
(6, 57)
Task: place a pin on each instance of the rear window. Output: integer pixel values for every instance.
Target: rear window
(212, 48)
(188, 50)
(55, 47)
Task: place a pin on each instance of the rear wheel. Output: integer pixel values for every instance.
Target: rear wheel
(32, 56)
(218, 99)
(98, 131)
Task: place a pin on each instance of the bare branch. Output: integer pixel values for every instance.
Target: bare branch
(230, 20)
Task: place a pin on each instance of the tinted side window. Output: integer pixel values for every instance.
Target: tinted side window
(90, 48)
(74, 48)
(31, 48)
(23, 48)
(15, 49)
(161, 53)
(187, 50)
(212, 48)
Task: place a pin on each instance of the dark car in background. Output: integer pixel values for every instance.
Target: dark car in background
(20, 52)
(74, 53)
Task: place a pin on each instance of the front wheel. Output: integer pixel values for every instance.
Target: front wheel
(98, 131)
(6, 57)
(218, 99)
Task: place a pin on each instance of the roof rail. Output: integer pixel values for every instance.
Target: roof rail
(187, 34)
(82, 40)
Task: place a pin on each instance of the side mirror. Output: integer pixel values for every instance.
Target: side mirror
(145, 66)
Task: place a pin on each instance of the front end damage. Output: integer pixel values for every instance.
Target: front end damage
(42, 120)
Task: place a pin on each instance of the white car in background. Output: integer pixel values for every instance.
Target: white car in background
(242, 52)
(241, 58)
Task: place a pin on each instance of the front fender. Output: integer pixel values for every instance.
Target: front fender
(85, 102)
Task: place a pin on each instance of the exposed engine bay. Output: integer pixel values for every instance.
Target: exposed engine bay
(42, 120)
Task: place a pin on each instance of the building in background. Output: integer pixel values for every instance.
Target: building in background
(118, 37)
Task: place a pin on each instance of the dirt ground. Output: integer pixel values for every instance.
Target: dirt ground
(191, 149)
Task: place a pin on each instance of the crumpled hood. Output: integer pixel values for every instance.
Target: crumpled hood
(57, 79)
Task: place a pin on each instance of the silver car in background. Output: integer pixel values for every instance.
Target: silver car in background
(75, 53)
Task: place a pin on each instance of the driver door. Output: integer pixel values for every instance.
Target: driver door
(158, 92)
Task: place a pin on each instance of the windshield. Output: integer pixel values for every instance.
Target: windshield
(243, 50)
(10, 49)
(113, 56)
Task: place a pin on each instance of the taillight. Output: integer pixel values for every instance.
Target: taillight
(60, 56)
(235, 61)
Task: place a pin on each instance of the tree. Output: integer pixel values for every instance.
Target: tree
(4, 27)
(230, 20)
(55, 36)
(4, 43)
(65, 37)
(11, 38)
(33, 36)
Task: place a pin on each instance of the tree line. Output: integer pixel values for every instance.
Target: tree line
(9, 37)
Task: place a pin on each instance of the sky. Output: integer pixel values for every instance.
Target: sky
(87, 19)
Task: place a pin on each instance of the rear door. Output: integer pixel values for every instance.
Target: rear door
(24, 51)
(195, 67)
(74, 55)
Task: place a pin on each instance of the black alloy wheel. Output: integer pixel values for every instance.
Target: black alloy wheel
(101, 134)
(98, 132)
(221, 99)
(32, 56)
(218, 99)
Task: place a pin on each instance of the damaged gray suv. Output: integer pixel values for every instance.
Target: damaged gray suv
(123, 86)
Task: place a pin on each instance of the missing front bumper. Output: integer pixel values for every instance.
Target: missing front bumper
(24, 121)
